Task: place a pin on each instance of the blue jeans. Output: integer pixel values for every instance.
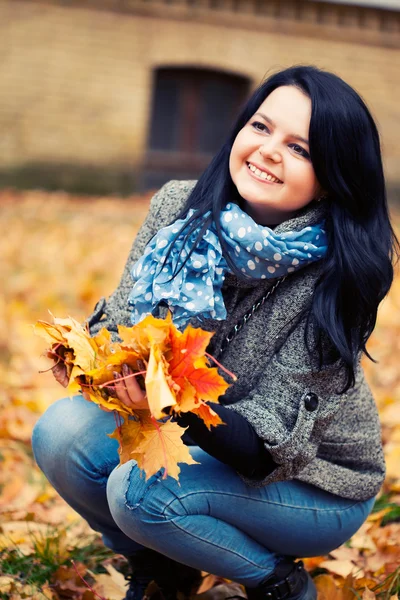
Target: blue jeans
(212, 520)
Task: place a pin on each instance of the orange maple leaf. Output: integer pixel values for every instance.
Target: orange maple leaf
(188, 364)
(209, 385)
(187, 348)
(187, 399)
(209, 416)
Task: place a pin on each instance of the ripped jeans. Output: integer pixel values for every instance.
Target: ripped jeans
(212, 521)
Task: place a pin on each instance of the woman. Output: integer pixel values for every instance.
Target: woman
(283, 248)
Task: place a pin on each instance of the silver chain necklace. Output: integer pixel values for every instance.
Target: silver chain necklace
(235, 330)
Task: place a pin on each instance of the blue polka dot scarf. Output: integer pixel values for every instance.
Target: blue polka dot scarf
(197, 289)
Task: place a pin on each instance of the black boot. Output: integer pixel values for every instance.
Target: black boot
(289, 581)
(168, 576)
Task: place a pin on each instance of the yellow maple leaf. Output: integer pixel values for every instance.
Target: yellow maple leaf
(84, 348)
(149, 331)
(93, 394)
(128, 434)
(70, 334)
(102, 373)
(102, 339)
(162, 446)
(49, 332)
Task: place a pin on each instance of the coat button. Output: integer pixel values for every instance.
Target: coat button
(311, 401)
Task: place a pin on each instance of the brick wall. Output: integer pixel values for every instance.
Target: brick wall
(76, 82)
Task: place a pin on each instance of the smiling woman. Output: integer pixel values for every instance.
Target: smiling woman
(284, 250)
(272, 172)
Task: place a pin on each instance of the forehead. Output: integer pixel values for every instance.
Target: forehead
(289, 108)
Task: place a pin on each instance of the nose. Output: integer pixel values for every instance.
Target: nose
(269, 150)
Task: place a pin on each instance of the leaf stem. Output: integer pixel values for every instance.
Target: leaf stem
(86, 583)
(122, 378)
(224, 369)
(50, 368)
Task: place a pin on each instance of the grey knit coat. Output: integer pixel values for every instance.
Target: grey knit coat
(313, 433)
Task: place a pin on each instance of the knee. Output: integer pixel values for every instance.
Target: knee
(117, 486)
(136, 504)
(54, 432)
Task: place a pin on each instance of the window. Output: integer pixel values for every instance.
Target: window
(192, 113)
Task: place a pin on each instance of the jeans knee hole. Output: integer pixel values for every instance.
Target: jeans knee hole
(137, 487)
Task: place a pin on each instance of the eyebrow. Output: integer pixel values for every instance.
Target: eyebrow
(293, 135)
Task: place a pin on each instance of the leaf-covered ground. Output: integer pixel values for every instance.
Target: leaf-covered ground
(63, 253)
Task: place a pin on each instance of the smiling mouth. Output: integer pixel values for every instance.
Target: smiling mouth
(263, 174)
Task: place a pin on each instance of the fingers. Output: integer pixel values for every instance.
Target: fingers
(135, 392)
(128, 390)
(121, 391)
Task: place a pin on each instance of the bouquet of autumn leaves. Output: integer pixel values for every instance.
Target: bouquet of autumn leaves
(172, 366)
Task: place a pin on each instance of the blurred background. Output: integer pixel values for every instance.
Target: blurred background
(118, 96)
(102, 102)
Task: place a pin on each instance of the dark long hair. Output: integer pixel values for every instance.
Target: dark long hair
(345, 152)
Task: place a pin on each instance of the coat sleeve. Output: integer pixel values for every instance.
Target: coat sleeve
(291, 407)
(115, 311)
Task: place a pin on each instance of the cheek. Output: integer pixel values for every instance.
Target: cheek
(239, 148)
(235, 157)
(305, 178)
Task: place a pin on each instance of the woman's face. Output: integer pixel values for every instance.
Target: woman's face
(274, 143)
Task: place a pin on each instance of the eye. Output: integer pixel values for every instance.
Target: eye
(299, 150)
(259, 126)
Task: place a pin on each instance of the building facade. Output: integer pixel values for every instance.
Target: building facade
(126, 94)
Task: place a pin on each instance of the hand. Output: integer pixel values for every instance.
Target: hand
(128, 390)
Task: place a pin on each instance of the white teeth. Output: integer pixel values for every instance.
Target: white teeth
(262, 174)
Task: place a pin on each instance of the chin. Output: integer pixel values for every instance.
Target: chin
(249, 195)
(258, 204)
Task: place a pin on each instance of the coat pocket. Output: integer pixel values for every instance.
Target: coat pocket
(297, 440)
